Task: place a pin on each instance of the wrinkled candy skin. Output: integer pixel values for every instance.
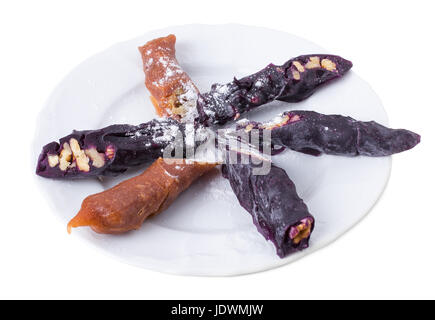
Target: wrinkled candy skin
(169, 85)
(315, 133)
(273, 203)
(121, 146)
(295, 80)
(127, 205)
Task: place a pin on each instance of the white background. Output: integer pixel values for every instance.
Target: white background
(390, 254)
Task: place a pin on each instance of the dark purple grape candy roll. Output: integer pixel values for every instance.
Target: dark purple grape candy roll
(276, 209)
(294, 81)
(315, 133)
(108, 151)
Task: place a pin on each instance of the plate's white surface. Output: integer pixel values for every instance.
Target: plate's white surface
(206, 232)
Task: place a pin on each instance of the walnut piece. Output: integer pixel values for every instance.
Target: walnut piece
(180, 110)
(328, 65)
(276, 124)
(97, 158)
(65, 157)
(301, 231)
(249, 127)
(299, 66)
(53, 160)
(81, 159)
(296, 75)
(313, 63)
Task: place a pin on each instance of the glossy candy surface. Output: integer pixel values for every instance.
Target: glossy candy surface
(295, 80)
(172, 90)
(108, 151)
(315, 133)
(126, 206)
(276, 209)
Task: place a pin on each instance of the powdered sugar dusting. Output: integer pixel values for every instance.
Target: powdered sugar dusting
(188, 100)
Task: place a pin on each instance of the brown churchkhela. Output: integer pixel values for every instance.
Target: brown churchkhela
(169, 85)
(125, 206)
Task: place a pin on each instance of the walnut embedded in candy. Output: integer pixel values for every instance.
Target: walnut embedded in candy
(97, 158)
(313, 63)
(65, 157)
(296, 75)
(329, 65)
(294, 81)
(53, 160)
(299, 66)
(82, 160)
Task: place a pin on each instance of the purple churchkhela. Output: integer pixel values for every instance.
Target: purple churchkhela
(112, 150)
(315, 133)
(295, 80)
(276, 209)
(108, 151)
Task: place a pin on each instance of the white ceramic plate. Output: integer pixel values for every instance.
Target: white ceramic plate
(206, 232)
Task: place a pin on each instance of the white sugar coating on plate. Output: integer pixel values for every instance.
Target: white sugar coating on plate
(205, 231)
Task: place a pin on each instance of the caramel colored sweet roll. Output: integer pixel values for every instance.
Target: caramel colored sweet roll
(127, 205)
(172, 91)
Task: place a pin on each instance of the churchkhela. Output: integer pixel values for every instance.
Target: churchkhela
(298, 233)
(279, 214)
(126, 206)
(173, 93)
(272, 201)
(295, 80)
(315, 133)
(111, 150)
